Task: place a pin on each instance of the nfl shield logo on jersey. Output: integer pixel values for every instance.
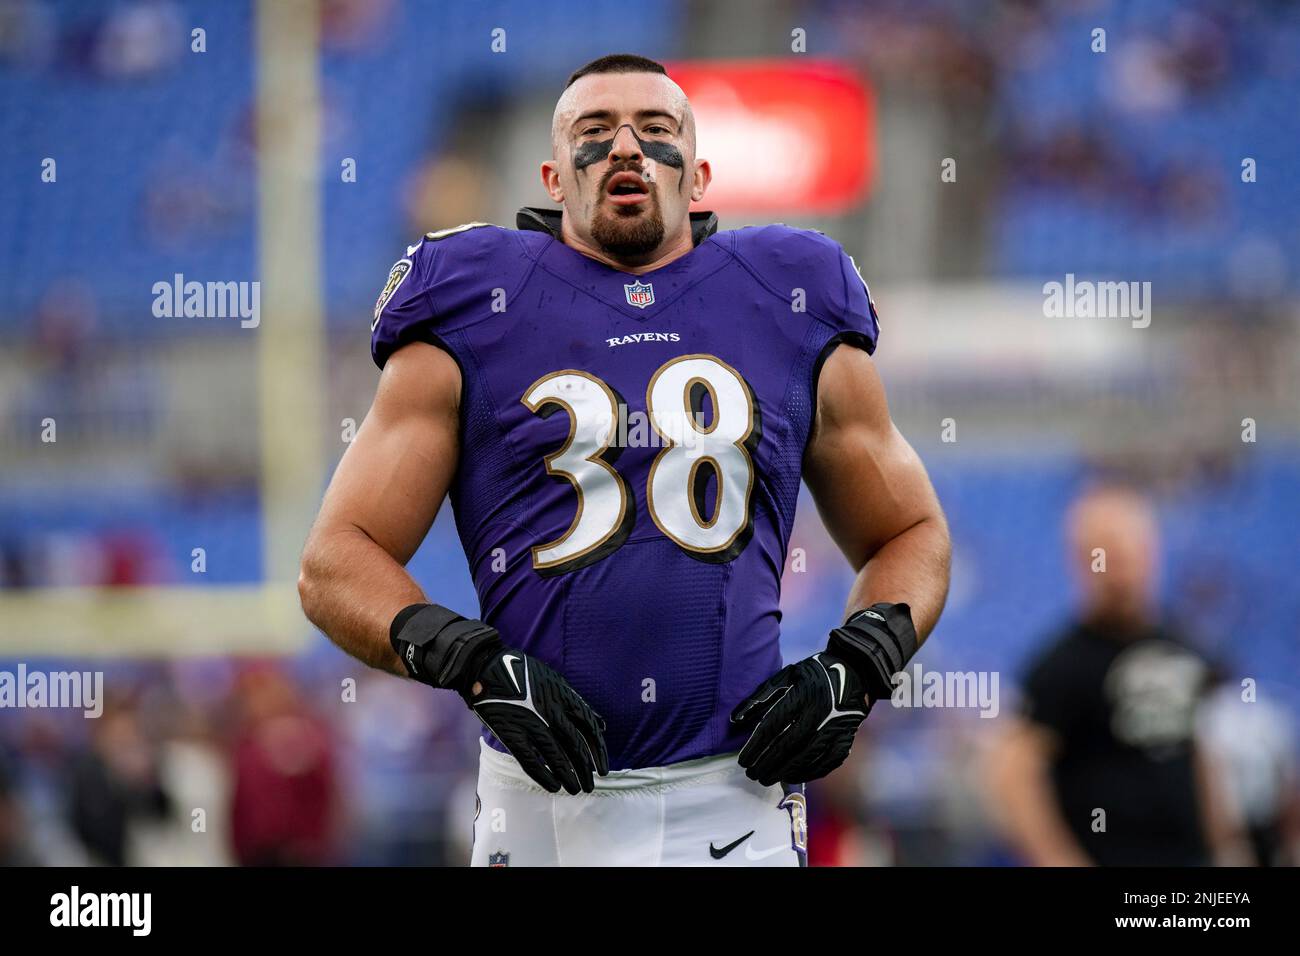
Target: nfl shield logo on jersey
(640, 294)
(498, 858)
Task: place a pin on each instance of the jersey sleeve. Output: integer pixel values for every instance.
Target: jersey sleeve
(404, 311)
(447, 281)
(853, 313)
(813, 271)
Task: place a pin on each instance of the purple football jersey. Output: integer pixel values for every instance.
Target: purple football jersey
(631, 449)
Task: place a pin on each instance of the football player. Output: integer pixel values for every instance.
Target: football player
(621, 401)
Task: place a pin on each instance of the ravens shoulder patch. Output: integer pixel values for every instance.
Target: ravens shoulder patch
(396, 276)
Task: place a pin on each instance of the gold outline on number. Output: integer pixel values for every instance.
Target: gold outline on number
(594, 459)
(713, 401)
(692, 416)
(690, 490)
(739, 443)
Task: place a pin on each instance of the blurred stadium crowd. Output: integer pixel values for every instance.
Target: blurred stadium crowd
(1127, 163)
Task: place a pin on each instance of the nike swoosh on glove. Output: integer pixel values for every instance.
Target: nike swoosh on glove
(544, 723)
(803, 720)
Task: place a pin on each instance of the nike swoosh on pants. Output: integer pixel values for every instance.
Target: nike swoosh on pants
(719, 852)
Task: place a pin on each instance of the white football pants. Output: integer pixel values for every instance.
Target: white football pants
(702, 812)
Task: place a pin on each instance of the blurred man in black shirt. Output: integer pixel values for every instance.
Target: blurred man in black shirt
(1101, 767)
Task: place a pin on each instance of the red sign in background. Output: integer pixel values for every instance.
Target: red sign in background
(782, 135)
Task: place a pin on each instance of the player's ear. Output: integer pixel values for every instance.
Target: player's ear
(703, 176)
(551, 180)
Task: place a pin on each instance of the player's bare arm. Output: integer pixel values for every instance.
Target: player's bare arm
(874, 496)
(878, 504)
(381, 503)
(354, 585)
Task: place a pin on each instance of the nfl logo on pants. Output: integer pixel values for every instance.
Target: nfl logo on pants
(640, 294)
(498, 859)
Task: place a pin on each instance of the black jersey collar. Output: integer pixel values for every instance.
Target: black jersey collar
(536, 219)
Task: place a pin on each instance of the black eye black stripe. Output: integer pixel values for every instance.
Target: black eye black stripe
(666, 153)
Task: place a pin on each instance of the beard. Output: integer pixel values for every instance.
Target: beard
(628, 232)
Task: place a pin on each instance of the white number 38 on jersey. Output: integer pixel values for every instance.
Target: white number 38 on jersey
(694, 453)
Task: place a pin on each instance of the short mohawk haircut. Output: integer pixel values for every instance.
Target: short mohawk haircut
(617, 63)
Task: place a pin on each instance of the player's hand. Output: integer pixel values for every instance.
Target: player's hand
(544, 723)
(803, 720)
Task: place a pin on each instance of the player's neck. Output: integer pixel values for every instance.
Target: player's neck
(668, 251)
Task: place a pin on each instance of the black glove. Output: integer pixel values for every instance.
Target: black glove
(804, 717)
(544, 723)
